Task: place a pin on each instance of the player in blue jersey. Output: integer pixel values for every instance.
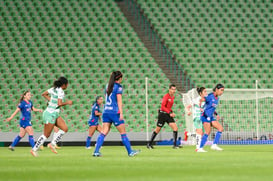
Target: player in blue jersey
(113, 113)
(208, 118)
(94, 120)
(25, 106)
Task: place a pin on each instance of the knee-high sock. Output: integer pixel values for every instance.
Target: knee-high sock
(198, 140)
(58, 137)
(88, 141)
(152, 138)
(99, 143)
(203, 140)
(126, 143)
(217, 137)
(174, 138)
(39, 142)
(16, 141)
(31, 141)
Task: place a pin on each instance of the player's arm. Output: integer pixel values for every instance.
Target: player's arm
(217, 115)
(46, 95)
(61, 103)
(119, 99)
(163, 105)
(36, 110)
(188, 109)
(97, 113)
(15, 112)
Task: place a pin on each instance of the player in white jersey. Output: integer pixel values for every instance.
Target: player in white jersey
(51, 118)
(197, 109)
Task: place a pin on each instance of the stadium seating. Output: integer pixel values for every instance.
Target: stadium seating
(217, 41)
(83, 40)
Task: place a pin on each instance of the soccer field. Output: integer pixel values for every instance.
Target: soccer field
(163, 163)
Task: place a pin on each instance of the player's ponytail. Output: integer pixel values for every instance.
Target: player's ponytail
(200, 90)
(114, 77)
(61, 81)
(23, 96)
(218, 86)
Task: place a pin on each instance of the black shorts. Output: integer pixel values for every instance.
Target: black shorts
(164, 118)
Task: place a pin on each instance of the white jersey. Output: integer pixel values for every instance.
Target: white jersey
(197, 106)
(55, 94)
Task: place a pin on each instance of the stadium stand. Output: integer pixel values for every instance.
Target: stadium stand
(84, 41)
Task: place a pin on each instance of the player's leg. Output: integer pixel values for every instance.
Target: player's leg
(60, 123)
(105, 130)
(92, 130)
(160, 123)
(199, 133)
(49, 120)
(207, 128)
(29, 130)
(218, 135)
(17, 138)
(99, 128)
(125, 140)
(175, 133)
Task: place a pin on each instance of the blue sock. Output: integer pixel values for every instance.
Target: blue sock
(99, 143)
(16, 141)
(217, 137)
(88, 141)
(31, 141)
(203, 140)
(126, 143)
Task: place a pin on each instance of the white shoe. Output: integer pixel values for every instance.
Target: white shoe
(88, 148)
(215, 147)
(34, 153)
(201, 150)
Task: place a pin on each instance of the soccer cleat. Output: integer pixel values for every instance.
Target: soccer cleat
(200, 150)
(215, 147)
(53, 149)
(97, 154)
(150, 146)
(88, 148)
(133, 153)
(177, 146)
(11, 148)
(34, 153)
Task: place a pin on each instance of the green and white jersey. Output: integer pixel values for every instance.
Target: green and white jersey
(196, 107)
(55, 94)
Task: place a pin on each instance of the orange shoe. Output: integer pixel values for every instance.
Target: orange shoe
(53, 148)
(34, 153)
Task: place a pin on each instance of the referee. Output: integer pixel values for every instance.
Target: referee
(166, 115)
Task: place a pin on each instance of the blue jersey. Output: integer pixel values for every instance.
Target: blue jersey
(93, 117)
(25, 108)
(210, 105)
(111, 105)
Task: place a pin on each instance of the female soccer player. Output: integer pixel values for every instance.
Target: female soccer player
(25, 106)
(113, 113)
(94, 120)
(208, 118)
(166, 115)
(51, 115)
(197, 110)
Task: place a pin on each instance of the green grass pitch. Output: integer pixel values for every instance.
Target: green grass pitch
(163, 163)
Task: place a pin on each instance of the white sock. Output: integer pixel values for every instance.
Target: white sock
(58, 137)
(54, 135)
(198, 140)
(39, 142)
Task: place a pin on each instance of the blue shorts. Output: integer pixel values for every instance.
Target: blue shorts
(93, 122)
(206, 119)
(112, 118)
(24, 123)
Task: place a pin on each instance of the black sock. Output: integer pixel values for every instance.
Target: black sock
(174, 138)
(152, 138)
